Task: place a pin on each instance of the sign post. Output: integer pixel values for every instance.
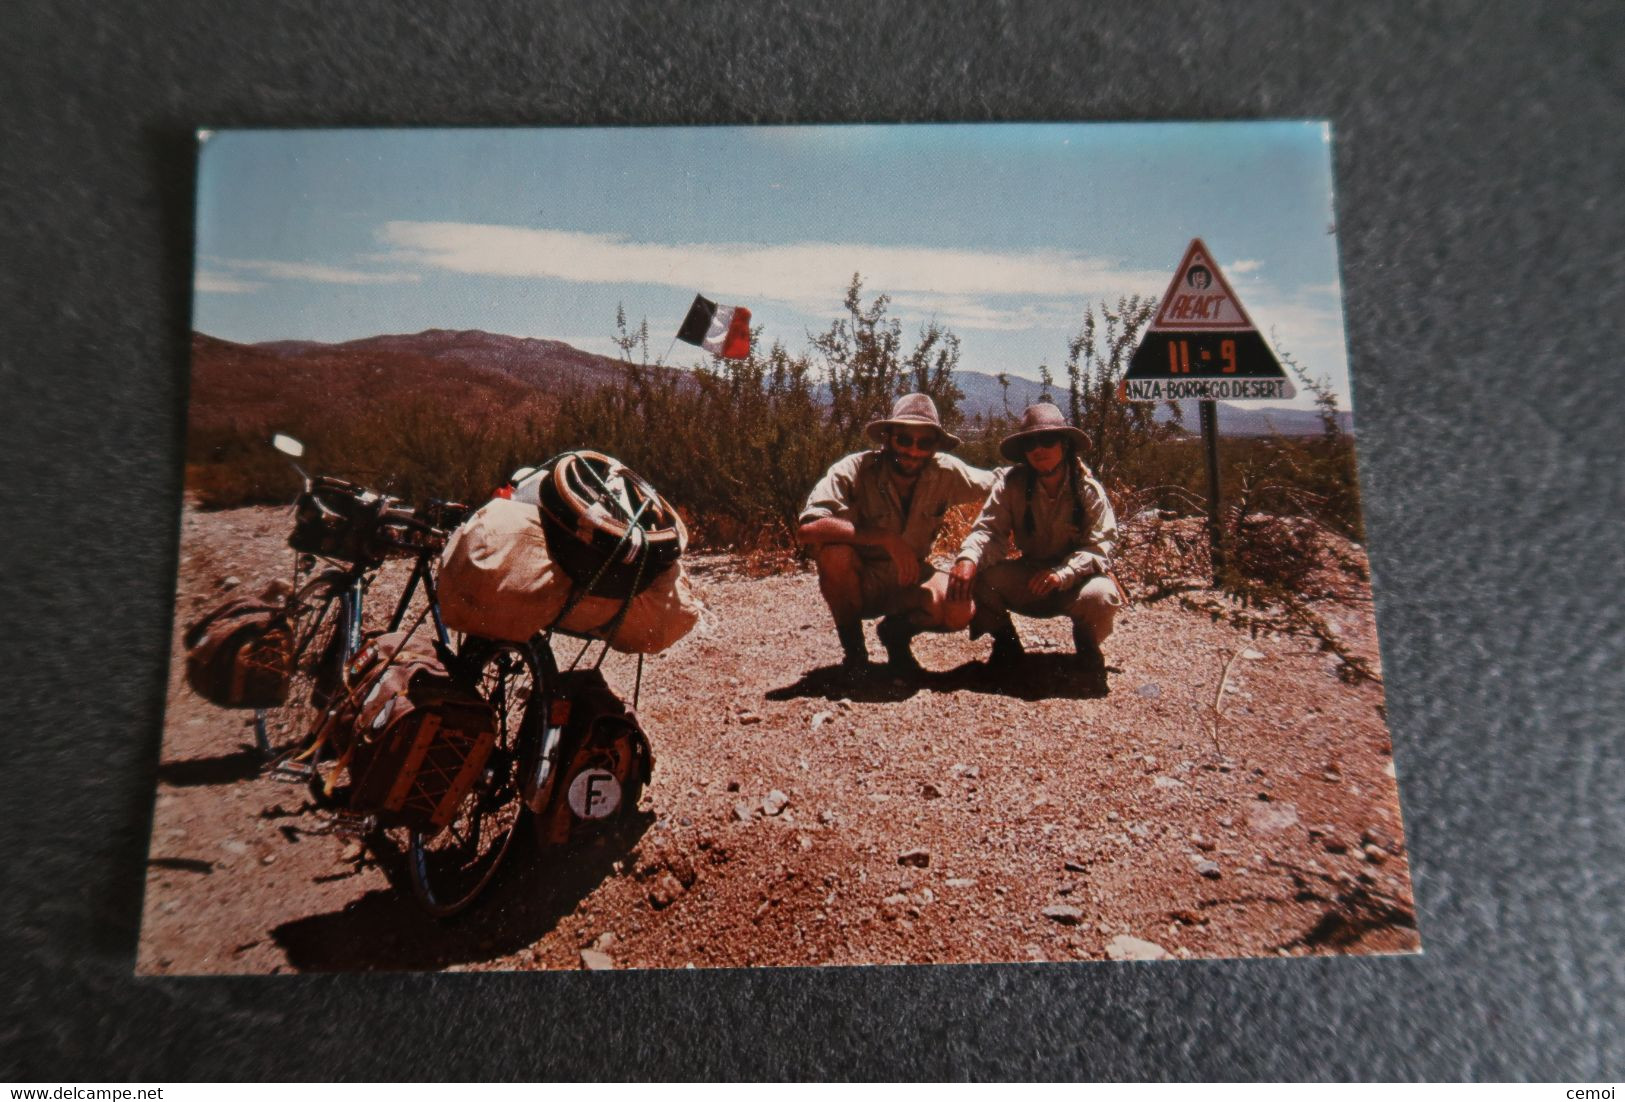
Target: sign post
(1203, 346)
(1210, 445)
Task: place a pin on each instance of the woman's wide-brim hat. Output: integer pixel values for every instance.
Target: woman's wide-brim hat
(912, 411)
(1038, 420)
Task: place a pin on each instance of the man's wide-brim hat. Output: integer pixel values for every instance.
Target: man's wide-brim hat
(1038, 420)
(912, 411)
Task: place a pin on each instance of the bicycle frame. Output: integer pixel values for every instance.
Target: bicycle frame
(359, 576)
(355, 578)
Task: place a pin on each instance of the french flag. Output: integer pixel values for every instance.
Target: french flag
(720, 330)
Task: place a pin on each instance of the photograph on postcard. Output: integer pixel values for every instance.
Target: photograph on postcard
(719, 547)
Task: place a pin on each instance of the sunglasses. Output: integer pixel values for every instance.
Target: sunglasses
(1042, 440)
(925, 441)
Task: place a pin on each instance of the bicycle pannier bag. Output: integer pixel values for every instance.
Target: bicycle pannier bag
(497, 579)
(421, 741)
(240, 654)
(604, 759)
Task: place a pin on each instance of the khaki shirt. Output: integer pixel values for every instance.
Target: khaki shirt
(1072, 550)
(863, 489)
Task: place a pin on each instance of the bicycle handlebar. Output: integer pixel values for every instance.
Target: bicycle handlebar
(343, 520)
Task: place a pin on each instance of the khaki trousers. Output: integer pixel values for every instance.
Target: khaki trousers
(1002, 589)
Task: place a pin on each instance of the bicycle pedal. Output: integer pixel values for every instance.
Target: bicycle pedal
(291, 772)
(348, 824)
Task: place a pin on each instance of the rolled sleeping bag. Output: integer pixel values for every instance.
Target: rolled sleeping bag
(497, 578)
(656, 619)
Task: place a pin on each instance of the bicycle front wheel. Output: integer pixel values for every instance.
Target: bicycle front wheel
(315, 614)
(453, 865)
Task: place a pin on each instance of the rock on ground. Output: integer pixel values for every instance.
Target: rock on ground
(1124, 947)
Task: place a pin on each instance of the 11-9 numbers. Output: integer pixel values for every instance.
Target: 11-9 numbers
(1179, 357)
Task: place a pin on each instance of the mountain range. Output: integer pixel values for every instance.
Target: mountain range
(270, 376)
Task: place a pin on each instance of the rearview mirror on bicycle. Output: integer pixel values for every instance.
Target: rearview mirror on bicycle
(293, 449)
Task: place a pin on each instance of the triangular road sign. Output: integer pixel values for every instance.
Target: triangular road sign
(1202, 344)
(1200, 298)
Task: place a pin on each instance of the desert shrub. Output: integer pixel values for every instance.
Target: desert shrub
(736, 443)
(415, 448)
(739, 443)
(1273, 551)
(865, 367)
(407, 445)
(1122, 434)
(232, 466)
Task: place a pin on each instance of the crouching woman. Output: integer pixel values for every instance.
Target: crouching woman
(1060, 520)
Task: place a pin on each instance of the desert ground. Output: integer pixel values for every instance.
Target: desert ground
(1230, 796)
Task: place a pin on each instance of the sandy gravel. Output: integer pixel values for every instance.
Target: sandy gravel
(797, 819)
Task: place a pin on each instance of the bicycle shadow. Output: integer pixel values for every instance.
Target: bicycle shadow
(244, 765)
(1034, 677)
(386, 930)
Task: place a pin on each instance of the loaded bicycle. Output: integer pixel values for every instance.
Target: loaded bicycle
(552, 745)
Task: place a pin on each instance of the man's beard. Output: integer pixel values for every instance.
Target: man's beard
(898, 460)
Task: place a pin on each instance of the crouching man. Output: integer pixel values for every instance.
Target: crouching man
(1063, 525)
(871, 522)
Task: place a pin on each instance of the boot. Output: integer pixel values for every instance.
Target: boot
(1090, 662)
(1007, 651)
(854, 651)
(895, 633)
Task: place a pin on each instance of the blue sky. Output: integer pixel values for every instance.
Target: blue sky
(1002, 232)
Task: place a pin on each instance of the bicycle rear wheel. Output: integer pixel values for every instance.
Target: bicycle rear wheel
(452, 866)
(315, 613)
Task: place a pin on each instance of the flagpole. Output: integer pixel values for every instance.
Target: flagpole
(661, 362)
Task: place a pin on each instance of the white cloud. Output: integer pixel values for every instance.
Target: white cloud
(963, 312)
(217, 283)
(320, 273)
(809, 275)
(1242, 267)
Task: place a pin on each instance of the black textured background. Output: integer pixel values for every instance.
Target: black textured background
(1480, 154)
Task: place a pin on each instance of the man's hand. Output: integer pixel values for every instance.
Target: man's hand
(961, 579)
(1044, 583)
(902, 555)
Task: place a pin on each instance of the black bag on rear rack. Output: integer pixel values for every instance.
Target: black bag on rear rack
(333, 519)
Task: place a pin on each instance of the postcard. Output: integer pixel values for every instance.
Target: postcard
(792, 546)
